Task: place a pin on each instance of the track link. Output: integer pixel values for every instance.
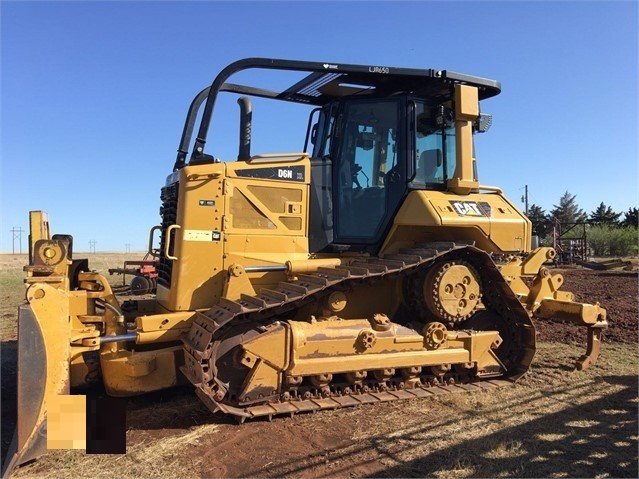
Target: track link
(204, 339)
(295, 406)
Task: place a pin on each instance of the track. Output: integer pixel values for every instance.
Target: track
(206, 340)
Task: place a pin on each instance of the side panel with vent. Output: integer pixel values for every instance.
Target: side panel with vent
(266, 215)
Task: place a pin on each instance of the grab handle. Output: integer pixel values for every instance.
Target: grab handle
(167, 243)
(150, 249)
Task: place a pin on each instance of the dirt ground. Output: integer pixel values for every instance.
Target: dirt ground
(554, 422)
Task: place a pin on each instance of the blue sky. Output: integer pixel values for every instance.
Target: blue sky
(94, 95)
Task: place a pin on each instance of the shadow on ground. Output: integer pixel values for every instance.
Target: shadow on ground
(592, 439)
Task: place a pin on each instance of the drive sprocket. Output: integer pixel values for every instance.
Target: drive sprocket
(449, 290)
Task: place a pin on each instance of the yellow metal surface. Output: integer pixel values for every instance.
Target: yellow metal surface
(196, 283)
(163, 321)
(593, 316)
(263, 379)
(38, 226)
(466, 111)
(237, 283)
(127, 373)
(274, 351)
(51, 308)
(452, 292)
(267, 203)
(346, 346)
(336, 301)
(311, 265)
(249, 215)
(399, 359)
(162, 327)
(385, 295)
(570, 311)
(442, 216)
(257, 221)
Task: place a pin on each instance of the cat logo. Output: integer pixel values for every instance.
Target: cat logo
(470, 208)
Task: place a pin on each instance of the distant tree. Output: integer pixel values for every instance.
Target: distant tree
(606, 240)
(604, 215)
(631, 218)
(541, 224)
(567, 211)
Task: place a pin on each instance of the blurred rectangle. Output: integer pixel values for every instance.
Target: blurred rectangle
(66, 422)
(106, 426)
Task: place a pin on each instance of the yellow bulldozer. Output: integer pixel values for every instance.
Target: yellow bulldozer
(372, 265)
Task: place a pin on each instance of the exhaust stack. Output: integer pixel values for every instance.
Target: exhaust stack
(246, 115)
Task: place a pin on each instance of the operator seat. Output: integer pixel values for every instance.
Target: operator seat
(428, 165)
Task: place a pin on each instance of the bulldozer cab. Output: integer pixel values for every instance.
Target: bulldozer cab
(376, 133)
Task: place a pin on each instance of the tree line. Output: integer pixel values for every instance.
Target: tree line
(608, 233)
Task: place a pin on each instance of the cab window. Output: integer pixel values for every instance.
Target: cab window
(434, 146)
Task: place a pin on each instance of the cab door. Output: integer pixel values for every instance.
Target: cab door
(369, 171)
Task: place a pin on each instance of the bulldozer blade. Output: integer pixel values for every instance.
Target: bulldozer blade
(42, 370)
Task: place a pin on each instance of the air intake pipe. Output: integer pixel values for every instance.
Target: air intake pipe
(246, 115)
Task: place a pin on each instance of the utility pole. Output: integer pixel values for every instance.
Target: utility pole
(92, 246)
(17, 234)
(524, 199)
(127, 247)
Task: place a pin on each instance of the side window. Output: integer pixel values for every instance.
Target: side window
(325, 124)
(434, 146)
(451, 155)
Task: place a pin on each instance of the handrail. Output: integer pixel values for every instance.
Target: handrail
(150, 250)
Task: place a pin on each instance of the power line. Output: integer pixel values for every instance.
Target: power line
(92, 246)
(17, 234)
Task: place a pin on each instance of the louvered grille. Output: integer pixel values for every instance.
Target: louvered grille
(168, 212)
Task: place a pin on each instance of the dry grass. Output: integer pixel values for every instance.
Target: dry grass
(147, 458)
(11, 292)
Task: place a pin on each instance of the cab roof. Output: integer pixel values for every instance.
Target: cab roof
(326, 82)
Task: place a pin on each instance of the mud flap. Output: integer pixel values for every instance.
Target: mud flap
(42, 372)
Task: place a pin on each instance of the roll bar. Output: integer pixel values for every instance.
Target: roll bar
(326, 82)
